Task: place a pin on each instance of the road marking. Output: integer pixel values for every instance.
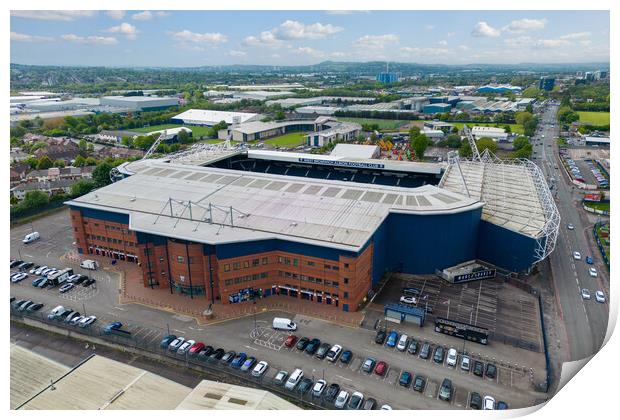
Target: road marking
(182, 332)
(120, 309)
(250, 347)
(342, 377)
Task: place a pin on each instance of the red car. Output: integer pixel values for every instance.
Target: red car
(195, 349)
(290, 341)
(381, 368)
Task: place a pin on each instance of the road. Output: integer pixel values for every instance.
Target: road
(585, 321)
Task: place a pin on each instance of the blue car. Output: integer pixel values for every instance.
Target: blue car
(238, 360)
(167, 340)
(37, 281)
(405, 379)
(112, 326)
(589, 260)
(346, 356)
(392, 338)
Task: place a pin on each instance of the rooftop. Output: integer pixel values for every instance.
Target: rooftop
(199, 116)
(361, 151)
(195, 203)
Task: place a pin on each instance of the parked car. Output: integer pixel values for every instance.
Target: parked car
(186, 346)
(89, 320)
(489, 403)
(217, 355)
(419, 383)
(342, 399)
(66, 287)
(280, 378)
(370, 404)
(305, 385)
(386, 407)
(381, 368)
(176, 343)
(439, 355)
(425, 351)
(452, 357)
(248, 365)
(260, 369)
(392, 338)
(413, 347)
(465, 363)
(346, 357)
(205, 353)
(445, 391)
(356, 401)
(478, 368)
(33, 269)
(332, 392)
(318, 388)
(24, 304)
(165, 342)
(322, 351)
(403, 342)
(228, 357)
(39, 270)
(72, 315)
(88, 282)
(37, 281)
(475, 401)
(334, 352)
(290, 341)
(600, 296)
(294, 379)
(34, 307)
(501, 405)
(302, 343)
(408, 300)
(405, 379)
(15, 263)
(380, 337)
(195, 349)
(491, 371)
(43, 283)
(369, 365)
(313, 346)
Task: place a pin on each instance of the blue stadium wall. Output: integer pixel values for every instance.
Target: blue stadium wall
(505, 248)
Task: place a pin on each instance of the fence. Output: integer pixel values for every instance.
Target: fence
(599, 243)
(151, 349)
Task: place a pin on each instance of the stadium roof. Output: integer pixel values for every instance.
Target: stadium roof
(217, 206)
(208, 117)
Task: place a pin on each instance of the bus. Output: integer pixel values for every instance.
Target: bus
(61, 276)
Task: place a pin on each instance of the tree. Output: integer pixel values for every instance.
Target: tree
(414, 131)
(465, 149)
(486, 143)
(44, 162)
(83, 186)
(34, 199)
(79, 161)
(32, 162)
(507, 128)
(529, 108)
(419, 145)
(524, 152)
(91, 161)
(127, 141)
(454, 141)
(101, 174)
(279, 115)
(83, 148)
(520, 142)
(183, 137)
(523, 117)
(59, 163)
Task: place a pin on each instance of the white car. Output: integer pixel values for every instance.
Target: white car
(386, 407)
(452, 358)
(319, 387)
(600, 296)
(334, 352)
(465, 363)
(33, 270)
(585, 293)
(592, 271)
(570, 226)
(185, 346)
(260, 369)
(342, 399)
(178, 342)
(402, 342)
(73, 277)
(76, 320)
(18, 277)
(577, 255)
(408, 300)
(488, 403)
(86, 321)
(39, 270)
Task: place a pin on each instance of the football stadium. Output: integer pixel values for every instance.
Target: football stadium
(228, 224)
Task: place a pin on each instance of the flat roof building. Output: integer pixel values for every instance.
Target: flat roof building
(436, 108)
(205, 117)
(495, 133)
(140, 103)
(357, 151)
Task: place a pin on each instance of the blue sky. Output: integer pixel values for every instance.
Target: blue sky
(186, 38)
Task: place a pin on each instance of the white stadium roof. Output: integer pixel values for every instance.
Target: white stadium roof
(208, 117)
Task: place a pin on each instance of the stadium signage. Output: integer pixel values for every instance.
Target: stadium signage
(342, 163)
(461, 330)
(476, 275)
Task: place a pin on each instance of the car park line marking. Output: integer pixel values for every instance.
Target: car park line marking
(252, 348)
(343, 378)
(120, 309)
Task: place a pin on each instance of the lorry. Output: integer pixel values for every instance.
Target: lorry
(31, 237)
(60, 277)
(284, 324)
(89, 264)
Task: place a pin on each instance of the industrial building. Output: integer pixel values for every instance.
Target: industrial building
(437, 108)
(496, 133)
(140, 103)
(209, 118)
(226, 225)
(546, 83)
(387, 77)
(331, 130)
(318, 110)
(499, 89)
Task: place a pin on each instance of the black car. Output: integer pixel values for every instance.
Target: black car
(478, 368)
(313, 346)
(439, 354)
(491, 371)
(370, 404)
(228, 357)
(445, 391)
(205, 353)
(425, 352)
(34, 307)
(419, 383)
(380, 337)
(322, 351)
(305, 385)
(26, 266)
(501, 405)
(302, 343)
(80, 279)
(346, 356)
(88, 282)
(16, 263)
(355, 402)
(217, 355)
(475, 401)
(413, 347)
(332, 392)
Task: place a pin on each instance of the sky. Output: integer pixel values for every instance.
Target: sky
(202, 38)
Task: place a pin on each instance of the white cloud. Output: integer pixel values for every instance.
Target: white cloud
(126, 29)
(264, 39)
(519, 42)
(410, 52)
(443, 42)
(116, 14)
(576, 35)
(338, 54)
(463, 48)
(206, 38)
(63, 15)
(309, 52)
(484, 30)
(146, 15)
(234, 53)
(100, 40)
(551, 43)
(450, 34)
(429, 27)
(162, 14)
(291, 30)
(585, 43)
(275, 55)
(17, 37)
(376, 41)
(522, 25)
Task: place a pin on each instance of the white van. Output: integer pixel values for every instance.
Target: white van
(284, 324)
(31, 237)
(294, 379)
(89, 264)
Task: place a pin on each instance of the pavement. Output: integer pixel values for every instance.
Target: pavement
(585, 321)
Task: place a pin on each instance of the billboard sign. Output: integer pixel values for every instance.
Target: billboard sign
(462, 330)
(476, 275)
